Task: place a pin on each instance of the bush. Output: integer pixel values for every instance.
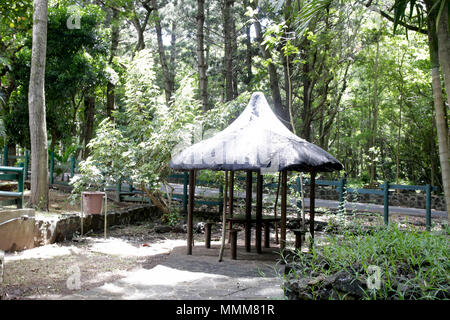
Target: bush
(413, 265)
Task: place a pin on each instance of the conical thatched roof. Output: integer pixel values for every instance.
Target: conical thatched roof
(256, 140)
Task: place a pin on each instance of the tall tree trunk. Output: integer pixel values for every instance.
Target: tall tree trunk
(11, 153)
(443, 35)
(173, 53)
(228, 50)
(168, 84)
(110, 87)
(89, 113)
(280, 110)
(235, 63)
(249, 52)
(375, 111)
(307, 102)
(36, 107)
(202, 66)
(286, 61)
(441, 119)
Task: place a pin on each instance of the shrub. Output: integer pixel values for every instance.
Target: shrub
(414, 265)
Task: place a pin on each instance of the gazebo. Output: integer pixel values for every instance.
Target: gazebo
(258, 142)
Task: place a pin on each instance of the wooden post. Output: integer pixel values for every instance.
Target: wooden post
(259, 195)
(190, 211)
(341, 194)
(267, 234)
(118, 191)
(248, 211)
(233, 247)
(185, 191)
(208, 235)
(312, 202)
(283, 209)
(230, 203)
(386, 203)
(20, 186)
(428, 207)
(224, 218)
(106, 211)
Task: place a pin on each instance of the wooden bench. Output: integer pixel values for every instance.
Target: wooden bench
(265, 220)
(13, 174)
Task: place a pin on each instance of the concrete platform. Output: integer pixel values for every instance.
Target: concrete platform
(198, 277)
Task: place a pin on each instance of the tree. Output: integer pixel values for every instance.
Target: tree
(36, 102)
(201, 61)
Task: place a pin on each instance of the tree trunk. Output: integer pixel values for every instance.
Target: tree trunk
(280, 110)
(441, 119)
(234, 64)
(228, 50)
(89, 113)
(249, 53)
(444, 48)
(168, 84)
(202, 66)
(110, 87)
(36, 107)
(375, 112)
(307, 103)
(11, 153)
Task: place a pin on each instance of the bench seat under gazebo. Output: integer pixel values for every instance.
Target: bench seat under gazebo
(257, 142)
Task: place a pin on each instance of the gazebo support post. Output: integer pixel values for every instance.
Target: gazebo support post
(230, 203)
(259, 195)
(190, 211)
(312, 202)
(248, 210)
(283, 209)
(224, 218)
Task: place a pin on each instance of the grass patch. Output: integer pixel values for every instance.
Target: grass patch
(413, 265)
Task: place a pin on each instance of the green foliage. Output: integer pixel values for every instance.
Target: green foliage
(414, 265)
(138, 145)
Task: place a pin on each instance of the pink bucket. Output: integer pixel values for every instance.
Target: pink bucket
(92, 202)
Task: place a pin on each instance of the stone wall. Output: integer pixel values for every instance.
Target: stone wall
(27, 233)
(398, 198)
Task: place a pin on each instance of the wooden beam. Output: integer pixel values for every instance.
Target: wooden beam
(312, 199)
(230, 204)
(283, 209)
(248, 210)
(259, 200)
(191, 202)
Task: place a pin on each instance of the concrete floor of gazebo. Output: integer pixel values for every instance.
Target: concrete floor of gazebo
(199, 276)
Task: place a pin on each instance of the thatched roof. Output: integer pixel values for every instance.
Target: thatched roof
(256, 140)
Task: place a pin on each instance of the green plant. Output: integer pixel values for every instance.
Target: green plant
(413, 265)
(172, 217)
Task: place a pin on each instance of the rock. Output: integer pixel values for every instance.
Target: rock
(162, 228)
(348, 285)
(179, 228)
(298, 290)
(199, 227)
(316, 280)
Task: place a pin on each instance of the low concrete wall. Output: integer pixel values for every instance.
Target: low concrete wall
(26, 233)
(400, 198)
